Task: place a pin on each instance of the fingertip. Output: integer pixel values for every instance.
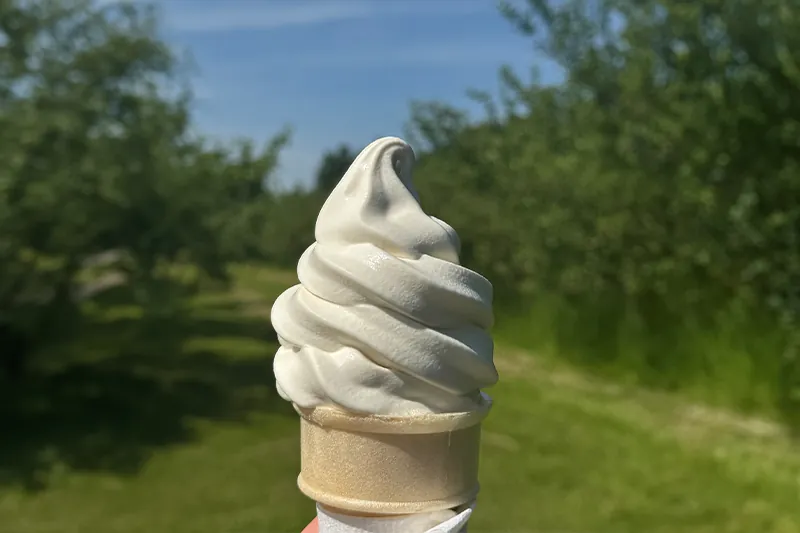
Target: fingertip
(313, 527)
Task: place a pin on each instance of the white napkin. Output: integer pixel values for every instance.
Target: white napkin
(450, 521)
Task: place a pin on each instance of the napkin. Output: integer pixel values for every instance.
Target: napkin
(449, 521)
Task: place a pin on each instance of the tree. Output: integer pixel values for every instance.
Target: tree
(333, 166)
(98, 155)
(662, 176)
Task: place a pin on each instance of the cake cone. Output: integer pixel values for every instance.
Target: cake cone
(384, 465)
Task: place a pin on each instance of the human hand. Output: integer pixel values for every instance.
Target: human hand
(313, 527)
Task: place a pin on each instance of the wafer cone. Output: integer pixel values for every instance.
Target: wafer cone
(384, 465)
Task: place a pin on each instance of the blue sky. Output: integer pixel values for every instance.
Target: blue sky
(336, 70)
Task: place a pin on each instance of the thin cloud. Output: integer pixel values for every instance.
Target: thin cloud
(254, 16)
(202, 92)
(194, 16)
(435, 54)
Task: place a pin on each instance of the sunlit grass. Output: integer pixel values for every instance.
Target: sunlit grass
(728, 355)
(173, 426)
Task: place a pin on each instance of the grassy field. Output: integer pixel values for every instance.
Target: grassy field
(162, 418)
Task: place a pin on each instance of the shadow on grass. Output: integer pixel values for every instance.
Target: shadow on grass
(123, 387)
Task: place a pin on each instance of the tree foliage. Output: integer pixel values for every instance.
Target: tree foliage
(98, 155)
(665, 169)
(660, 180)
(332, 167)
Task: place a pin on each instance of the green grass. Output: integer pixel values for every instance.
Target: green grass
(728, 355)
(164, 419)
(563, 452)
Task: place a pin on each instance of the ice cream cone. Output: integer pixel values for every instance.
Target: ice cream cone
(384, 465)
(386, 321)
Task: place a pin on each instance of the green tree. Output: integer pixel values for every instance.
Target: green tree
(663, 174)
(289, 226)
(332, 167)
(98, 155)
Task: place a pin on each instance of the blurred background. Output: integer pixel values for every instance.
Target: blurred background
(626, 173)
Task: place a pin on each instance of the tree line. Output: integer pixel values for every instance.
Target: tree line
(657, 189)
(653, 194)
(647, 209)
(98, 156)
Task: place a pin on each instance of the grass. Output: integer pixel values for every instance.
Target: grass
(163, 419)
(565, 453)
(732, 356)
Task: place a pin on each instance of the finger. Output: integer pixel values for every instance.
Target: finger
(313, 527)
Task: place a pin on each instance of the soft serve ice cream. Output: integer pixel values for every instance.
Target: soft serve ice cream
(384, 352)
(385, 321)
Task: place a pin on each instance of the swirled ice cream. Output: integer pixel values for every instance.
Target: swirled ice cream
(385, 320)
